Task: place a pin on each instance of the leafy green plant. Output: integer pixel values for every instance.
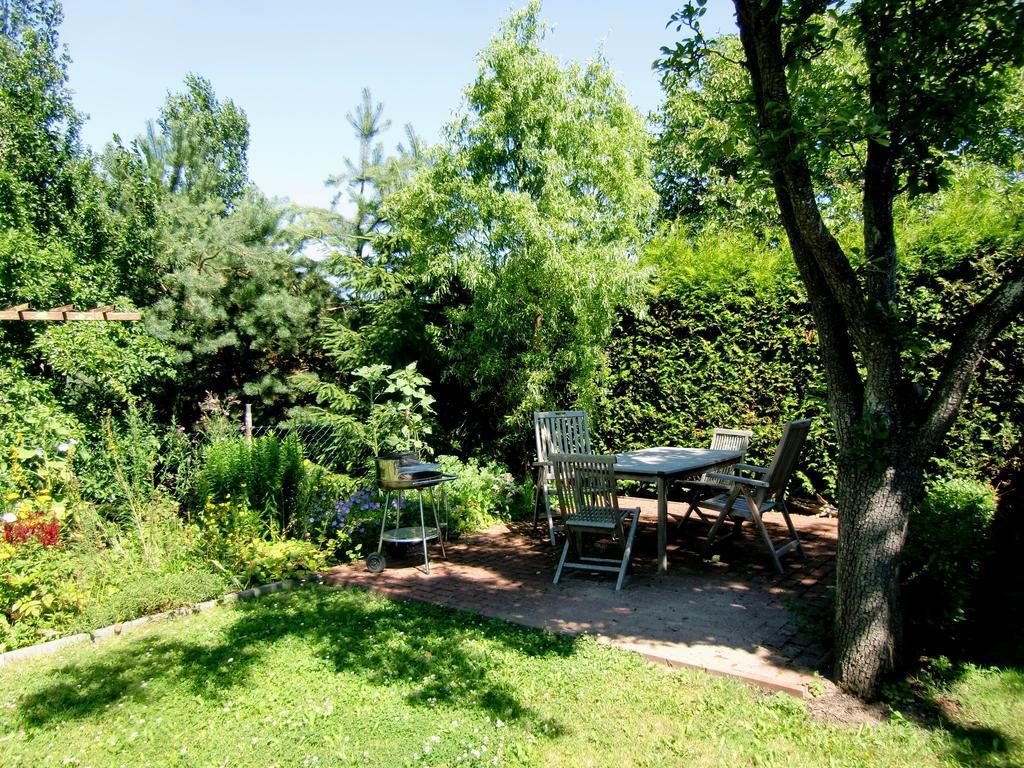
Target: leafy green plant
(150, 593)
(482, 494)
(382, 409)
(38, 592)
(946, 540)
(267, 476)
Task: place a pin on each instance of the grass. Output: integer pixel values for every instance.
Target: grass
(342, 677)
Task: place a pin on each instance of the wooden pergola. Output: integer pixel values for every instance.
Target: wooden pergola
(68, 313)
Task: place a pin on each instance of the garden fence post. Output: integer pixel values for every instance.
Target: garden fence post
(248, 424)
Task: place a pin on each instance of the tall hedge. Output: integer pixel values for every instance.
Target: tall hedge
(727, 339)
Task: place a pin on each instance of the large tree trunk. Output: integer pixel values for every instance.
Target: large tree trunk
(874, 507)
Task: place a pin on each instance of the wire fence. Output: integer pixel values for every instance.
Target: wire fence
(321, 442)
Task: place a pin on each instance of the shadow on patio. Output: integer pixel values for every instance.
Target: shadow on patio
(734, 616)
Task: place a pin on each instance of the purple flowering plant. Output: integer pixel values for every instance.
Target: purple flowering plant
(352, 523)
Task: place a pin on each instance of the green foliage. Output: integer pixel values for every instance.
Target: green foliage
(39, 125)
(259, 561)
(946, 540)
(100, 365)
(727, 339)
(32, 427)
(51, 591)
(201, 146)
(266, 476)
(37, 592)
(483, 493)
(515, 239)
(701, 356)
(708, 169)
(717, 256)
(147, 594)
(237, 541)
(382, 410)
(240, 313)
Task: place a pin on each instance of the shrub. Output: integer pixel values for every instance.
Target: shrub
(945, 543)
(38, 592)
(258, 561)
(267, 475)
(482, 493)
(727, 340)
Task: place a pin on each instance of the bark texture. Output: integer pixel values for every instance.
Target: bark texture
(872, 530)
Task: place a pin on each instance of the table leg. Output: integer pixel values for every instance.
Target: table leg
(662, 526)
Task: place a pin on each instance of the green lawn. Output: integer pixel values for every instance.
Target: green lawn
(326, 677)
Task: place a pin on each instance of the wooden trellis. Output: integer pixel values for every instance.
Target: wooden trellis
(68, 312)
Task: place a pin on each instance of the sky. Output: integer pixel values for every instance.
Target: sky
(297, 68)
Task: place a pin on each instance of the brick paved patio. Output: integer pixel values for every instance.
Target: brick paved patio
(734, 617)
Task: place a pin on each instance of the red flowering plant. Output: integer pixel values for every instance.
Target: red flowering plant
(38, 528)
(32, 512)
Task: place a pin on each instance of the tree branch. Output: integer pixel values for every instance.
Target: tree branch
(867, 319)
(761, 35)
(988, 318)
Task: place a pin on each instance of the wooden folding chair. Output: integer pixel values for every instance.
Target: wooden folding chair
(706, 486)
(590, 506)
(556, 432)
(749, 498)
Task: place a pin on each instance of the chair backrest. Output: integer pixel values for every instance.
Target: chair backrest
(587, 491)
(561, 432)
(786, 454)
(728, 440)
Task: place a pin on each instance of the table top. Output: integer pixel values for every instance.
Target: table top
(667, 461)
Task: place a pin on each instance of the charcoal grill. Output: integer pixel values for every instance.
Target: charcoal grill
(400, 473)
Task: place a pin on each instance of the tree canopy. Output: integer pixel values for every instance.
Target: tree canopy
(521, 228)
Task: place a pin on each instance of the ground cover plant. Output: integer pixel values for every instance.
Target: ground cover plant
(343, 677)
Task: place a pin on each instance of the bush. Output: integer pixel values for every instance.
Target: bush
(236, 541)
(267, 476)
(39, 594)
(258, 561)
(727, 340)
(482, 494)
(705, 356)
(945, 544)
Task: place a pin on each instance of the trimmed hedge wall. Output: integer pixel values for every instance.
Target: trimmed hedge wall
(744, 355)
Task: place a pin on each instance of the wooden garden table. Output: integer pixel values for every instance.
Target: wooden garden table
(664, 465)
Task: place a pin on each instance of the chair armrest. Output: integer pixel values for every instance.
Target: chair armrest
(751, 468)
(734, 479)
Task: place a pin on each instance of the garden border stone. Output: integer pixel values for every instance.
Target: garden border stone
(97, 636)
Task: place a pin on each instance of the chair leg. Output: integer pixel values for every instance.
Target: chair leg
(541, 494)
(792, 529)
(713, 533)
(561, 561)
(537, 496)
(627, 550)
(755, 515)
(693, 507)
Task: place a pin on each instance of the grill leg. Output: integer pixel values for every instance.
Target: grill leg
(383, 522)
(423, 534)
(433, 506)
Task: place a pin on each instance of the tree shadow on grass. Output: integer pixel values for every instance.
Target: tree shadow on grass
(970, 743)
(434, 654)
